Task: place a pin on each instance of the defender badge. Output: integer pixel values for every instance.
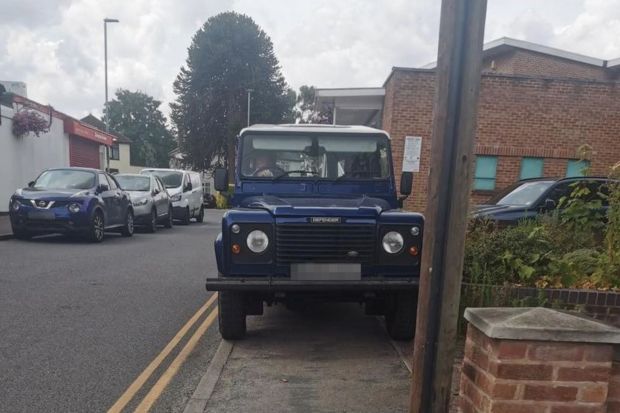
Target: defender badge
(352, 254)
(325, 220)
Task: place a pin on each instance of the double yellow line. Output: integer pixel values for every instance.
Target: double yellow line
(161, 384)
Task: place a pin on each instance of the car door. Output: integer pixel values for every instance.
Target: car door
(121, 200)
(160, 199)
(109, 200)
(196, 191)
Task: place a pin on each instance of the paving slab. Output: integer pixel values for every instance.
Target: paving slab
(329, 358)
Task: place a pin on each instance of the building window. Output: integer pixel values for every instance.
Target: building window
(486, 168)
(531, 168)
(576, 167)
(114, 152)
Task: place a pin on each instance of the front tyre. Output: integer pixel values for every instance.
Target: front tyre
(186, 217)
(400, 317)
(201, 215)
(168, 223)
(128, 228)
(153, 222)
(96, 230)
(231, 315)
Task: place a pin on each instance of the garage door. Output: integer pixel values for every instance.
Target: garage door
(83, 153)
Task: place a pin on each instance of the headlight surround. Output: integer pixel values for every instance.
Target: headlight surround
(393, 242)
(176, 197)
(74, 207)
(257, 241)
(15, 205)
(415, 231)
(140, 201)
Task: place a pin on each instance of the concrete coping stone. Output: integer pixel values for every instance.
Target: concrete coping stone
(540, 324)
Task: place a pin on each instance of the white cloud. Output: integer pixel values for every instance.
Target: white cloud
(58, 48)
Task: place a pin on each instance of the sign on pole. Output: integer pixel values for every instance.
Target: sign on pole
(411, 157)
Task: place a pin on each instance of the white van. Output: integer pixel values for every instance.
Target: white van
(185, 189)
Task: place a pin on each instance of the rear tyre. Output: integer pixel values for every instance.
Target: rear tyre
(231, 315)
(153, 223)
(186, 217)
(400, 317)
(168, 223)
(128, 228)
(201, 215)
(97, 226)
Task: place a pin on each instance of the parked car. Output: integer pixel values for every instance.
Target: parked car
(208, 201)
(150, 200)
(71, 200)
(530, 197)
(185, 189)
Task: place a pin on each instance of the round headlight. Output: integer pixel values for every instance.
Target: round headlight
(257, 241)
(393, 242)
(235, 228)
(15, 205)
(415, 231)
(74, 208)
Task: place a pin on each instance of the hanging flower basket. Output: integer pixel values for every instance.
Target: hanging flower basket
(27, 121)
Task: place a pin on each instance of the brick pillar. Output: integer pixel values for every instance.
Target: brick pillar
(530, 360)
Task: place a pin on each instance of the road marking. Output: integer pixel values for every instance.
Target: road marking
(152, 396)
(148, 371)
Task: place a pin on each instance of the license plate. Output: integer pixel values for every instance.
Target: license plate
(326, 272)
(41, 215)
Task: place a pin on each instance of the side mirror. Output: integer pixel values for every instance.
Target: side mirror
(406, 183)
(103, 188)
(155, 191)
(549, 204)
(220, 179)
(30, 184)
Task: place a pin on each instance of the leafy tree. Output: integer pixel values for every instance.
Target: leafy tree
(306, 110)
(228, 55)
(136, 115)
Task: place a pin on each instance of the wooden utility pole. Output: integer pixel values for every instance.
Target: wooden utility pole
(458, 70)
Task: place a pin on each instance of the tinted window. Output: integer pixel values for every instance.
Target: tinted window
(134, 183)
(65, 179)
(526, 193)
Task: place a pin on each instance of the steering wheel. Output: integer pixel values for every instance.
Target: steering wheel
(275, 171)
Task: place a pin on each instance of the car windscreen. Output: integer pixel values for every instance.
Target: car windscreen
(524, 193)
(65, 179)
(171, 179)
(134, 183)
(315, 156)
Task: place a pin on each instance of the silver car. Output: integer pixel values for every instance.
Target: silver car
(151, 202)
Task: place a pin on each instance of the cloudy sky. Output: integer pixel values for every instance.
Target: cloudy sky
(56, 46)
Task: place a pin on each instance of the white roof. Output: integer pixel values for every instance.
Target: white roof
(349, 92)
(535, 47)
(314, 128)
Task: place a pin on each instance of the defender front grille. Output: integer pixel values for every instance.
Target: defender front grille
(325, 243)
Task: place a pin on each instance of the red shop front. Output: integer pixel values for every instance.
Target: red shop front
(84, 144)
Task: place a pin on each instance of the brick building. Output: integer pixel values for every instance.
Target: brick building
(537, 106)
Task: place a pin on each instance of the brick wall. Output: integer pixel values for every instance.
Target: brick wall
(529, 63)
(508, 376)
(518, 116)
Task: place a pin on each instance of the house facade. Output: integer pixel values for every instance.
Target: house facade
(542, 112)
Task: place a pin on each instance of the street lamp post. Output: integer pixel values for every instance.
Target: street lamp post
(105, 58)
(249, 104)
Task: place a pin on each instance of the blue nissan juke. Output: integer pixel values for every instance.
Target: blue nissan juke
(80, 201)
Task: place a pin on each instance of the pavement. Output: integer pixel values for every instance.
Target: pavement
(5, 228)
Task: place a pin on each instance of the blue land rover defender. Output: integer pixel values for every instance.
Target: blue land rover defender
(315, 216)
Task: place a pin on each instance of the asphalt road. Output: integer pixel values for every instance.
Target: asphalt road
(79, 322)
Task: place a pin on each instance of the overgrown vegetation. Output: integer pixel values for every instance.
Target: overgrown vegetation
(576, 247)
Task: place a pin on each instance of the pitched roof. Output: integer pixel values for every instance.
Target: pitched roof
(92, 120)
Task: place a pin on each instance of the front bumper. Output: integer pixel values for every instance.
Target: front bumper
(179, 212)
(142, 213)
(273, 284)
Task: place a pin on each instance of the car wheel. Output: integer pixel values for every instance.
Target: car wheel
(153, 224)
(21, 234)
(400, 317)
(169, 219)
(186, 217)
(96, 231)
(128, 228)
(201, 215)
(231, 315)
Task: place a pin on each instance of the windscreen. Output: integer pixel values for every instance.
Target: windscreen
(525, 193)
(134, 183)
(65, 179)
(312, 156)
(171, 179)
